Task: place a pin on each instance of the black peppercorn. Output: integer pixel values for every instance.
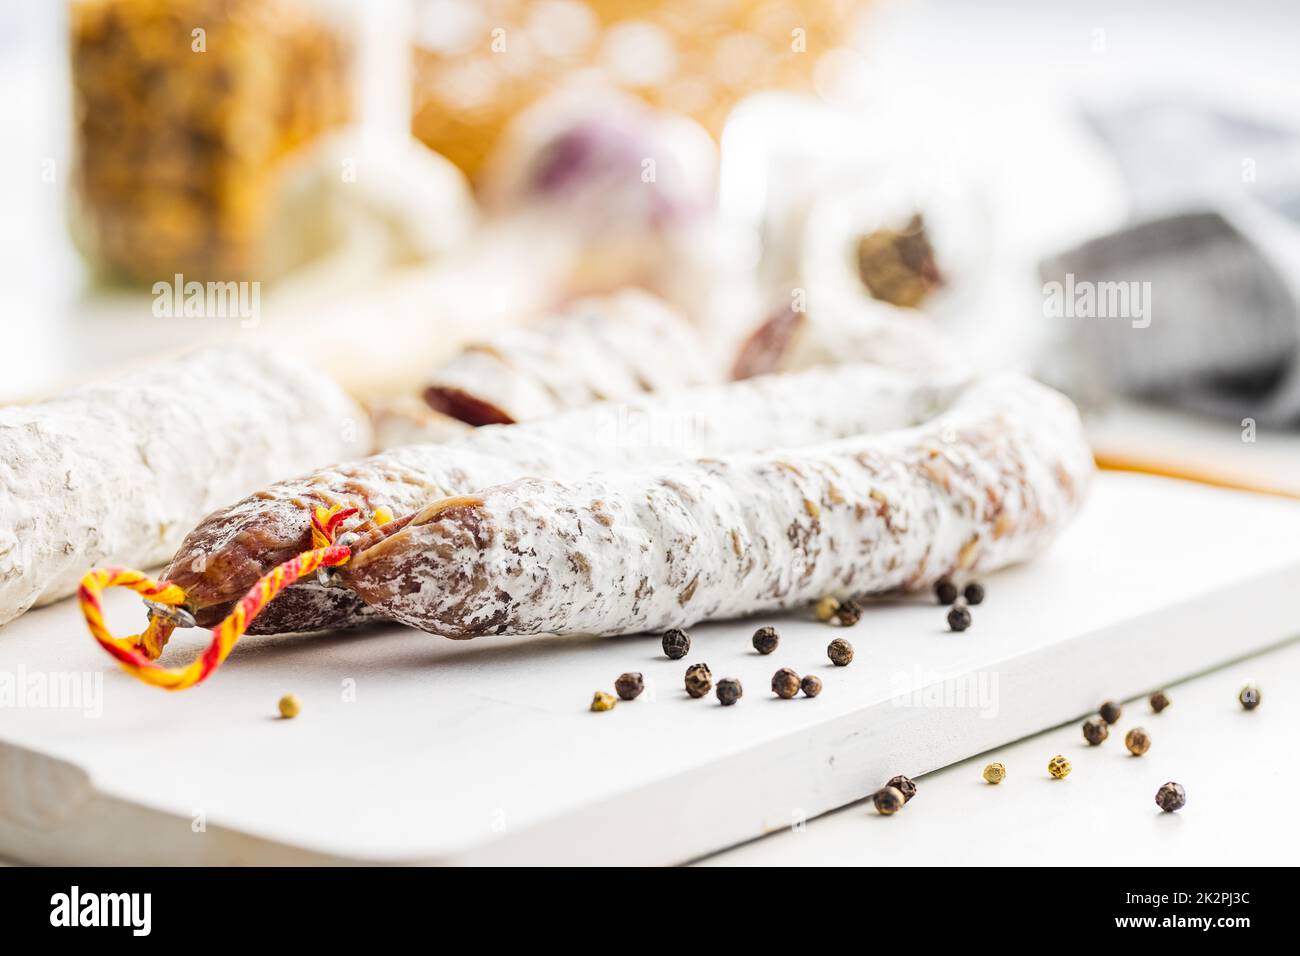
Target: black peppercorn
(903, 785)
(677, 643)
(765, 640)
(629, 685)
(1171, 797)
(959, 618)
(974, 593)
(1138, 741)
(848, 613)
(1095, 730)
(840, 652)
(1159, 701)
(1110, 712)
(699, 680)
(1249, 697)
(888, 801)
(945, 590)
(729, 691)
(785, 683)
(811, 685)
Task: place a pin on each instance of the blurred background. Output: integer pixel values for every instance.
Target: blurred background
(1104, 194)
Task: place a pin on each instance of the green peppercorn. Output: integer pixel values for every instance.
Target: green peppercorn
(840, 652)
(699, 680)
(1095, 730)
(974, 593)
(629, 685)
(785, 683)
(1249, 697)
(811, 685)
(676, 644)
(945, 590)
(602, 701)
(1159, 701)
(1110, 712)
(1171, 797)
(959, 618)
(1138, 741)
(766, 639)
(729, 691)
(824, 610)
(848, 613)
(903, 785)
(888, 801)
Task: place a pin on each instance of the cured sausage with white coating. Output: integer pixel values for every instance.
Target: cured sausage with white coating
(986, 484)
(231, 549)
(115, 472)
(598, 349)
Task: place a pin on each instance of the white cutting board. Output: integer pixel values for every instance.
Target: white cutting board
(485, 751)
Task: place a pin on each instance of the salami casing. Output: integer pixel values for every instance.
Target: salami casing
(116, 472)
(986, 484)
(598, 349)
(788, 341)
(230, 550)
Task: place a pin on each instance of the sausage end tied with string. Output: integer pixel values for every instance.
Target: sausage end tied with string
(138, 654)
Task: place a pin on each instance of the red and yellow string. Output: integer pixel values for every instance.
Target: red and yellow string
(137, 654)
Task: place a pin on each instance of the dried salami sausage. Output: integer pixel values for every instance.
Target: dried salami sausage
(232, 548)
(988, 483)
(115, 472)
(598, 349)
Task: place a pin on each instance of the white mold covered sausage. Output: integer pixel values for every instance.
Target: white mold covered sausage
(115, 473)
(227, 553)
(610, 348)
(988, 483)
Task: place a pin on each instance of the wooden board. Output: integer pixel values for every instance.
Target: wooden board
(484, 752)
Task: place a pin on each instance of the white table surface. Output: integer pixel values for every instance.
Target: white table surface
(1237, 767)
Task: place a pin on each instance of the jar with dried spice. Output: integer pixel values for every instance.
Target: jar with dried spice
(184, 113)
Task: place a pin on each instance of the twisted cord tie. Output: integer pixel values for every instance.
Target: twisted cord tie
(137, 654)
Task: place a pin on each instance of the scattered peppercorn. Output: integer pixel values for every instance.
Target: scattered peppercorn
(729, 691)
(1095, 730)
(848, 613)
(825, 609)
(602, 701)
(1138, 741)
(888, 801)
(677, 644)
(840, 652)
(974, 593)
(699, 680)
(811, 685)
(290, 706)
(765, 640)
(945, 590)
(1159, 701)
(995, 772)
(1171, 797)
(785, 683)
(1110, 712)
(959, 617)
(903, 785)
(1249, 697)
(629, 685)
(1059, 767)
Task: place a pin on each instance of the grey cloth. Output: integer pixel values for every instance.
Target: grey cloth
(1212, 257)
